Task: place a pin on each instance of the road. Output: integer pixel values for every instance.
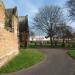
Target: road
(56, 63)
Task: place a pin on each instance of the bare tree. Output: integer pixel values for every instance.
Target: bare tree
(47, 19)
(68, 33)
(64, 32)
(71, 7)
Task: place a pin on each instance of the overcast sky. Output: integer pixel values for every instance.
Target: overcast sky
(30, 7)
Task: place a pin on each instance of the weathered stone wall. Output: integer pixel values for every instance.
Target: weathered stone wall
(8, 40)
(2, 16)
(8, 46)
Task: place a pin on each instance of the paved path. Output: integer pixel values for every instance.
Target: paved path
(57, 63)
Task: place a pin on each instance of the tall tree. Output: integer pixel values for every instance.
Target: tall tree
(47, 19)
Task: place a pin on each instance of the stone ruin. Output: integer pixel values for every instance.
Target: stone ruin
(9, 45)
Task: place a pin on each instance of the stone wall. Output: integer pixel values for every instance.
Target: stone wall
(8, 40)
(2, 16)
(8, 46)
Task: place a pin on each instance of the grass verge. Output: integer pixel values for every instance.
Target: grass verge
(71, 53)
(26, 58)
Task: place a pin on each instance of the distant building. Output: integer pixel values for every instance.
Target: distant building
(39, 38)
(23, 31)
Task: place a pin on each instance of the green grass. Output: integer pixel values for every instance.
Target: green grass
(71, 53)
(25, 59)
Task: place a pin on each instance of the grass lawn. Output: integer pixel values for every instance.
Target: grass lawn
(71, 53)
(25, 59)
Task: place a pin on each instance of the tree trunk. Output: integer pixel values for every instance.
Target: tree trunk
(63, 43)
(68, 40)
(51, 41)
